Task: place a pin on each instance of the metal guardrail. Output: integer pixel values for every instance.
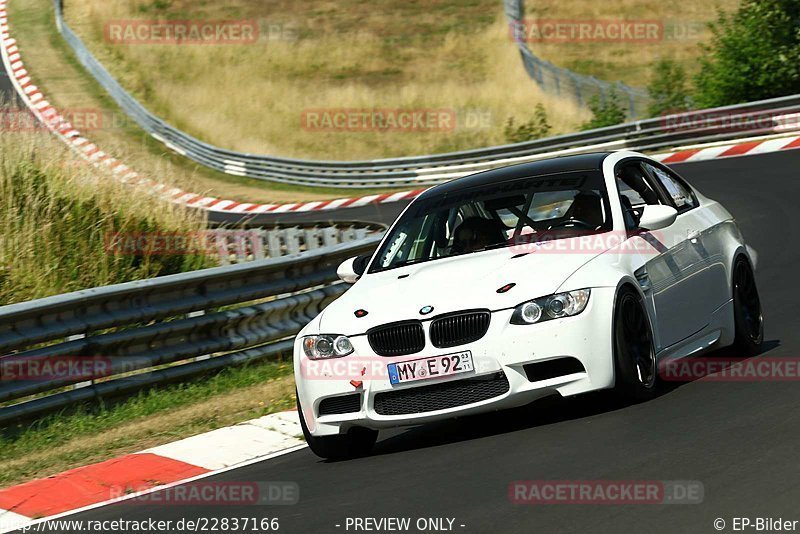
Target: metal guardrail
(649, 134)
(236, 246)
(560, 81)
(153, 331)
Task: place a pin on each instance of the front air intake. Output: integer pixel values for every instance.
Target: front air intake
(548, 369)
(441, 396)
(341, 404)
(397, 339)
(459, 328)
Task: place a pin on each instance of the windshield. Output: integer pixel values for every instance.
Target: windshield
(497, 215)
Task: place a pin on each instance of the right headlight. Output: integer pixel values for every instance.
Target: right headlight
(326, 346)
(551, 307)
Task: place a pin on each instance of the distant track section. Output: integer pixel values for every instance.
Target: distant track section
(412, 172)
(765, 119)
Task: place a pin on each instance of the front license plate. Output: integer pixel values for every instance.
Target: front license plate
(432, 367)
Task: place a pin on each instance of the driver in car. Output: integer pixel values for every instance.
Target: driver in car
(477, 233)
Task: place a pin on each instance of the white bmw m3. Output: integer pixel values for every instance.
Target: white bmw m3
(560, 276)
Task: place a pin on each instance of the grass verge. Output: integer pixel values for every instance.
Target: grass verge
(158, 416)
(682, 26)
(451, 55)
(55, 70)
(56, 219)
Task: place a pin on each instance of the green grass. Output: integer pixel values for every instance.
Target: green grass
(160, 415)
(55, 220)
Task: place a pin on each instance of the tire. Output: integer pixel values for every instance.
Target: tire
(356, 443)
(747, 316)
(635, 366)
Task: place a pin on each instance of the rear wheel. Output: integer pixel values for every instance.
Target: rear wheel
(355, 443)
(634, 354)
(746, 310)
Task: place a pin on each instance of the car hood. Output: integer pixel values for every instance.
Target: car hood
(450, 284)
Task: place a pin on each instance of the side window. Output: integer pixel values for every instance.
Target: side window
(633, 184)
(633, 197)
(635, 191)
(681, 195)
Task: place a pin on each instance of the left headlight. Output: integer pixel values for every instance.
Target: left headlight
(327, 346)
(551, 307)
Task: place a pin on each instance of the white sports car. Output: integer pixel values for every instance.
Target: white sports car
(560, 276)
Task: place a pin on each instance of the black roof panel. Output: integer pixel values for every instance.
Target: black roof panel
(592, 161)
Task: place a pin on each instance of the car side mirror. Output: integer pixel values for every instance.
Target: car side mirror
(351, 269)
(656, 217)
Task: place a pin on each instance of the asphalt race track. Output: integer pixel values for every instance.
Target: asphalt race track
(739, 439)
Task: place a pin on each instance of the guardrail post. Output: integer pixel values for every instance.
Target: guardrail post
(257, 243)
(274, 243)
(220, 244)
(329, 236)
(292, 240)
(348, 234)
(311, 238)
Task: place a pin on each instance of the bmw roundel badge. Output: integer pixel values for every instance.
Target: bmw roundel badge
(425, 310)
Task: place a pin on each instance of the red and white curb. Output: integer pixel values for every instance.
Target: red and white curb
(741, 147)
(44, 111)
(150, 470)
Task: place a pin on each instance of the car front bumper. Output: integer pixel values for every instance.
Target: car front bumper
(504, 351)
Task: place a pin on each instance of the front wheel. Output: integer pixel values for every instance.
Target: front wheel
(634, 354)
(357, 442)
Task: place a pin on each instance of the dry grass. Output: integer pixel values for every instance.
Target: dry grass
(319, 54)
(442, 54)
(684, 26)
(55, 216)
(68, 87)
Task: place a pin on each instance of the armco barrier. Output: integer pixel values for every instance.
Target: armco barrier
(236, 246)
(649, 134)
(564, 82)
(237, 314)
